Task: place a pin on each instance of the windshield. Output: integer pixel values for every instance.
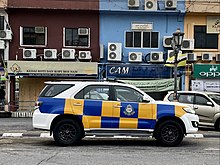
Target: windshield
(215, 98)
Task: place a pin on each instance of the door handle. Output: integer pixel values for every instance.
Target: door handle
(195, 107)
(117, 106)
(77, 104)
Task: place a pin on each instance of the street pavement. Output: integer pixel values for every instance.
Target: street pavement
(22, 127)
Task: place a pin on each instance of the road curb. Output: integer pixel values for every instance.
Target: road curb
(47, 135)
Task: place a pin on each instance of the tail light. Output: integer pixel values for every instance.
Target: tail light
(38, 103)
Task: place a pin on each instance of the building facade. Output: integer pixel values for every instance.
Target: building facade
(52, 40)
(130, 40)
(202, 26)
(136, 39)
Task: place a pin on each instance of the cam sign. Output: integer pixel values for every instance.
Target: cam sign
(207, 71)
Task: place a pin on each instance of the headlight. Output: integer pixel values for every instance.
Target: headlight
(189, 110)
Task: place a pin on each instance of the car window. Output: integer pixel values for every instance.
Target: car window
(186, 98)
(201, 100)
(170, 97)
(127, 94)
(94, 92)
(54, 89)
(215, 98)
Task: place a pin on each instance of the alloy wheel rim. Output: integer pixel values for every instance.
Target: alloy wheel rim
(170, 133)
(67, 132)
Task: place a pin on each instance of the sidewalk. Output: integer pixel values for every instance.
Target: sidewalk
(5, 114)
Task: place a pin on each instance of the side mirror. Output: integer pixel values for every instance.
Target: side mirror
(209, 103)
(146, 99)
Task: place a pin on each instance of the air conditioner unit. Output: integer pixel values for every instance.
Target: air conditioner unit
(171, 54)
(50, 53)
(133, 3)
(114, 51)
(2, 44)
(135, 56)
(68, 53)
(85, 55)
(5, 34)
(218, 57)
(167, 41)
(206, 56)
(83, 31)
(170, 4)
(150, 5)
(39, 29)
(188, 44)
(29, 53)
(191, 57)
(156, 57)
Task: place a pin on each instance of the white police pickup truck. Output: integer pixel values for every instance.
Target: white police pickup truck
(73, 110)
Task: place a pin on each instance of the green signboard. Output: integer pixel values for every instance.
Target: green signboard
(207, 71)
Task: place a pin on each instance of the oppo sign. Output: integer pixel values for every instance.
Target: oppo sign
(206, 71)
(210, 74)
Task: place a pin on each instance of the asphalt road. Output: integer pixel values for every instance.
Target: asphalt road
(43, 151)
(91, 151)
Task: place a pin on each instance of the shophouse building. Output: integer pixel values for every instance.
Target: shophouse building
(202, 27)
(135, 36)
(52, 40)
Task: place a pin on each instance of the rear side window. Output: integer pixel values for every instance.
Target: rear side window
(54, 89)
(94, 92)
(186, 98)
(170, 98)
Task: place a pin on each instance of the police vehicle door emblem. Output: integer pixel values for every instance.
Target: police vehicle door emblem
(129, 110)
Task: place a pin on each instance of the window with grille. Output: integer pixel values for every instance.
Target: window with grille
(77, 37)
(33, 36)
(204, 40)
(142, 39)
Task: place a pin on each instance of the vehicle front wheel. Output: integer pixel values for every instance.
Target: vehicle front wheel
(67, 132)
(169, 133)
(217, 125)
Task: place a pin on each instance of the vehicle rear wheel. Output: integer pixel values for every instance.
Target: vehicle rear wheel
(217, 125)
(67, 132)
(169, 133)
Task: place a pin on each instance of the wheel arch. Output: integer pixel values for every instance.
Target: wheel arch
(65, 116)
(173, 118)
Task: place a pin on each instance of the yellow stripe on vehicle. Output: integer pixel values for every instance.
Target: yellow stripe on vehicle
(179, 111)
(128, 123)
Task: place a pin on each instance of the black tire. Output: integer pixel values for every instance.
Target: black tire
(217, 125)
(169, 133)
(67, 132)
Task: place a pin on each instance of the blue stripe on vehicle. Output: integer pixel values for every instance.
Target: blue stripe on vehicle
(115, 122)
(52, 105)
(126, 114)
(165, 110)
(146, 123)
(92, 107)
(110, 122)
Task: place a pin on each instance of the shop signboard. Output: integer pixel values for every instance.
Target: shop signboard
(213, 24)
(159, 85)
(138, 71)
(206, 85)
(207, 71)
(52, 69)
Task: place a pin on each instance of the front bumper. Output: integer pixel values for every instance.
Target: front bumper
(191, 122)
